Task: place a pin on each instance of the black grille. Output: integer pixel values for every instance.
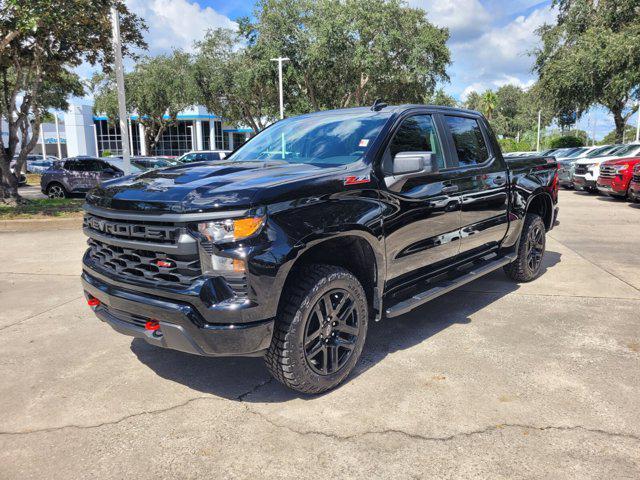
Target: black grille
(238, 285)
(636, 177)
(145, 264)
(581, 170)
(130, 318)
(607, 171)
(148, 232)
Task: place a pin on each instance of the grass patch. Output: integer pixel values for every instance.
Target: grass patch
(43, 208)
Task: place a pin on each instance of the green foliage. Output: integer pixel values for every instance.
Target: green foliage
(591, 56)
(488, 103)
(566, 141)
(628, 136)
(441, 98)
(42, 207)
(511, 145)
(106, 153)
(347, 53)
(41, 43)
(473, 101)
(156, 90)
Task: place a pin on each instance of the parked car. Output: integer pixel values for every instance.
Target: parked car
(634, 185)
(587, 170)
(151, 163)
(616, 175)
(567, 165)
(203, 156)
(79, 174)
(316, 226)
(40, 166)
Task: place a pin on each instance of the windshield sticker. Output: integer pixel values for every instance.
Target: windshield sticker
(364, 142)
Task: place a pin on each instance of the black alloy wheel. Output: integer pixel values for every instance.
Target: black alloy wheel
(535, 247)
(331, 332)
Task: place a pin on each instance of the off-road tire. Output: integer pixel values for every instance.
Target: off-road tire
(520, 270)
(286, 358)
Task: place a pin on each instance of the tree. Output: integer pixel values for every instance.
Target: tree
(237, 83)
(566, 141)
(488, 103)
(157, 89)
(40, 43)
(592, 55)
(347, 53)
(628, 136)
(473, 101)
(441, 98)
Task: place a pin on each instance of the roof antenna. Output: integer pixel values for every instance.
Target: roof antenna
(378, 105)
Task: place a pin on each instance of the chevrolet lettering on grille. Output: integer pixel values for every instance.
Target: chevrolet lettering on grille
(129, 230)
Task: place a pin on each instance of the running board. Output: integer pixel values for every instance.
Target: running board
(446, 286)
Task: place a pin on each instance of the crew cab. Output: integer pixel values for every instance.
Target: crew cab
(615, 176)
(315, 227)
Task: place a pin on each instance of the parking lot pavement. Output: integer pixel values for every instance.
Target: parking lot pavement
(493, 381)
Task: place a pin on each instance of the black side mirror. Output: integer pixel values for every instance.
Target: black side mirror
(411, 164)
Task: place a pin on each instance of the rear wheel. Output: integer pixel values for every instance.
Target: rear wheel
(320, 331)
(56, 190)
(531, 248)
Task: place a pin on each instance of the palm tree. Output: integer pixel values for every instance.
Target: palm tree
(488, 103)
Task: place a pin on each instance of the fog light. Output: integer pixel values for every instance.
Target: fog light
(93, 302)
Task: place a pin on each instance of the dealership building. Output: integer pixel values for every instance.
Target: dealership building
(80, 131)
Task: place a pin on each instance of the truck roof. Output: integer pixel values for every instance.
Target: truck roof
(390, 109)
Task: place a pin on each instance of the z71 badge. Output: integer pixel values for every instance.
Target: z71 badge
(355, 180)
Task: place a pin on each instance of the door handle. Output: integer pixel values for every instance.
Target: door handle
(450, 189)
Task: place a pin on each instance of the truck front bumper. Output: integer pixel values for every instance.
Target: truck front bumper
(181, 326)
(581, 182)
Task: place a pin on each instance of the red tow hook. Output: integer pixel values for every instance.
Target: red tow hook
(93, 302)
(152, 325)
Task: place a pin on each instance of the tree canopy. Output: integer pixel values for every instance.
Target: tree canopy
(157, 89)
(591, 56)
(41, 41)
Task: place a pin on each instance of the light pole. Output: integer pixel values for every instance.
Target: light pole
(280, 60)
(539, 121)
(122, 109)
(95, 139)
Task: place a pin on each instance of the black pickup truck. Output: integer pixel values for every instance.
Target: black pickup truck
(318, 225)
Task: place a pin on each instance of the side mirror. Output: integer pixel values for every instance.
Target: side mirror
(408, 165)
(414, 163)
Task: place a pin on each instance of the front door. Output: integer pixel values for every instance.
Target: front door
(482, 184)
(422, 216)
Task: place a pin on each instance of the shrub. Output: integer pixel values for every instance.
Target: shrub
(567, 141)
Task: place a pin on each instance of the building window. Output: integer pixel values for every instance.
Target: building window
(206, 135)
(219, 136)
(175, 140)
(238, 139)
(109, 137)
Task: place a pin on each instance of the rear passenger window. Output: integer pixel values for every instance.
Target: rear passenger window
(417, 134)
(468, 140)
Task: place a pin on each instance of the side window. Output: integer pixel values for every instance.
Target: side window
(95, 166)
(468, 140)
(72, 165)
(417, 134)
(189, 158)
(212, 156)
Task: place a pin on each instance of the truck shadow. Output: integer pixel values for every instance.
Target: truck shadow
(245, 379)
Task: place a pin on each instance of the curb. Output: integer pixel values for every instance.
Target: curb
(40, 224)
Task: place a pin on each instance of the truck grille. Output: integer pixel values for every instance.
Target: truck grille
(607, 171)
(581, 170)
(636, 174)
(139, 264)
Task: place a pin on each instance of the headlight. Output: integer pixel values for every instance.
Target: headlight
(230, 230)
(621, 168)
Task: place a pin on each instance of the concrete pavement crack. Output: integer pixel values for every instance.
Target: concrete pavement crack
(446, 438)
(239, 398)
(4, 327)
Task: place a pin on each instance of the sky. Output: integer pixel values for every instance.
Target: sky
(489, 39)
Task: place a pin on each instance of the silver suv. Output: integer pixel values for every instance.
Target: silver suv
(78, 175)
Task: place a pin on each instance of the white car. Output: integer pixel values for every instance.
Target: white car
(204, 156)
(587, 169)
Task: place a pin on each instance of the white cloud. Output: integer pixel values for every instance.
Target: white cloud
(176, 23)
(465, 19)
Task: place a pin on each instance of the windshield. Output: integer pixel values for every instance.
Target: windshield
(324, 139)
(577, 152)
(600, 151)
(627, 150)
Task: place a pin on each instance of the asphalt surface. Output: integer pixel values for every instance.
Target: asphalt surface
(497, 380)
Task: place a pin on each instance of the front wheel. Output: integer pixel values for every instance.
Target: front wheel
(55, 190)
(320, 331)
(528, 265)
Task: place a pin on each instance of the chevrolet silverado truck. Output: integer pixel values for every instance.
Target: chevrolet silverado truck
(616, 176)
(317, 226)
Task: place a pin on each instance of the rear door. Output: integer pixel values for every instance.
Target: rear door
(481, 177)
(422, 218)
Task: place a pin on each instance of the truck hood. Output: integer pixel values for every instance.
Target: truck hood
(623, 161)
(204, 187)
